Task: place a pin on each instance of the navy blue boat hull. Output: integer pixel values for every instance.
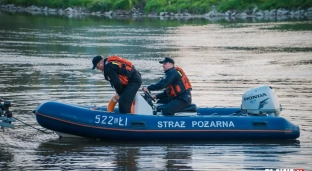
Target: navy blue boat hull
(99, 124)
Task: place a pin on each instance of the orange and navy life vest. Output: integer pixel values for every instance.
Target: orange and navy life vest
(125, 65)
(180, 86)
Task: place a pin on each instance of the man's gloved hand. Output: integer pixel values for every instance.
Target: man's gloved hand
(144, 89)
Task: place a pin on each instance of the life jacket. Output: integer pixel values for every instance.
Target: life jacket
(125, 66)
(180, 86)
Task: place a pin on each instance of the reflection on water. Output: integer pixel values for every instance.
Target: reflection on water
(91, 154)
(6, 157)
(49, 58)
(304, 26)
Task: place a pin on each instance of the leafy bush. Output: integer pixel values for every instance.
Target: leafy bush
(200, 7)
(100, 5)
(122, 4)
(154, 5)
(193, 6)
(289, 4)
(306, 4)
(236, 5)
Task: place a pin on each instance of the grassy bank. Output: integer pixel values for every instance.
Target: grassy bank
(264, 4)
(149, 6)
(93, 5)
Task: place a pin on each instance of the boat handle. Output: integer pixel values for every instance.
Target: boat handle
(138, 124)
(259, 124)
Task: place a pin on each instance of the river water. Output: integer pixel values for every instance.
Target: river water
(46, 58)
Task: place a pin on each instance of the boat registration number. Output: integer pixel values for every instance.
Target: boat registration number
(110, 120)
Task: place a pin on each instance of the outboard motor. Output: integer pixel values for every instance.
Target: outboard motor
(261, 100)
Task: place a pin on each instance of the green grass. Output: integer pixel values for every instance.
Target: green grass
(94, 5)
(287, 4)
(263, 4)
(191, 6)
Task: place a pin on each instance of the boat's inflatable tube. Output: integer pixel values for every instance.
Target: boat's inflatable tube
(112, 103)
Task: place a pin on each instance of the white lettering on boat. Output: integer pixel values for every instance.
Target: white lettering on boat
(104, 118)
(195, 124)
(120, 121)
(110, 120)
(171, 124)
(212, 124)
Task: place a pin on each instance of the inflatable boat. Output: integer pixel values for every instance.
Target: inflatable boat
(257, 119)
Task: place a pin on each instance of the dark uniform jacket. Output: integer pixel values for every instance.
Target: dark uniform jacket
(111, 72)
(171, 76)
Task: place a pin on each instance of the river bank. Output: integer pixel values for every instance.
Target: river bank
(81, 11)
(48, 58)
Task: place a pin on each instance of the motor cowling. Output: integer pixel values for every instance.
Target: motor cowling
(261, 100)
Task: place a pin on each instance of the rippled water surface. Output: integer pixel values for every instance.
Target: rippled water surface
(49, 58)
